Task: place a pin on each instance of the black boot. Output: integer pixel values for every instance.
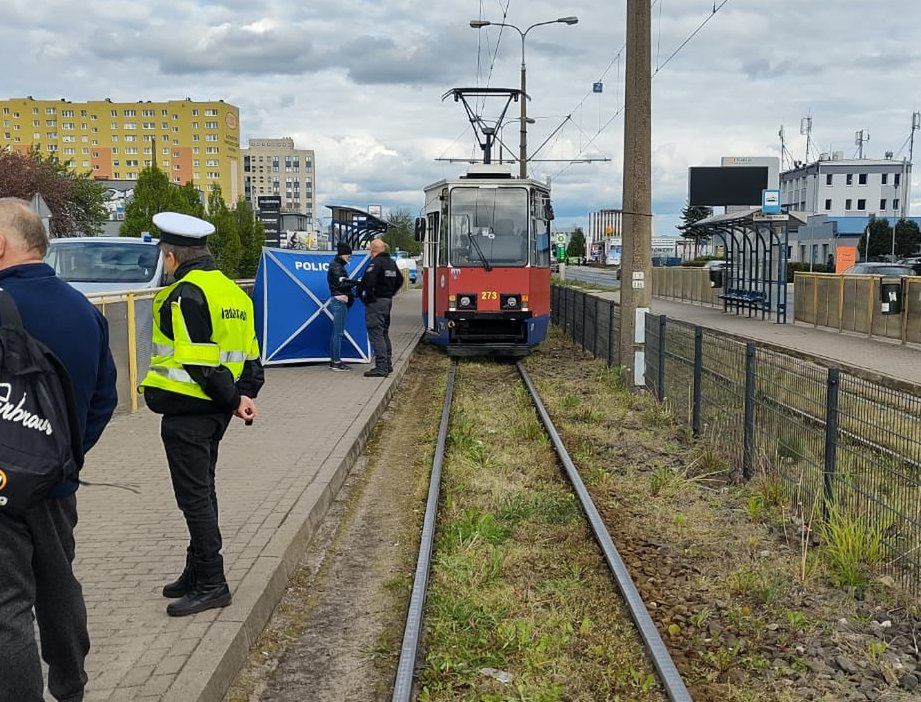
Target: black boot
(210, 591)
(184, 583)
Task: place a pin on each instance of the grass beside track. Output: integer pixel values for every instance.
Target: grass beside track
(521, 606)
(743, 591)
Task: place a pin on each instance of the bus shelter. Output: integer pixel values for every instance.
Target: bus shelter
(354, 227)
(753, 280)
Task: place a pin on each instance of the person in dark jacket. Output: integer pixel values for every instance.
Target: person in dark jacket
(381, 281)
(341, 290)
(204, 371)
(37, 549)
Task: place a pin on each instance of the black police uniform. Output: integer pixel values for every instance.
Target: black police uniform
(381, 281)
(192, 429)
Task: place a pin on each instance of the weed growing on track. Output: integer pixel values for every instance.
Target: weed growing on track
(518, 586)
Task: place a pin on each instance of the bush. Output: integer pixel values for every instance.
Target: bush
(700, 261)
(805, 267)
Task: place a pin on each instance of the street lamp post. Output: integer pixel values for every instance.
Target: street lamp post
(523, 147)
(529, 120)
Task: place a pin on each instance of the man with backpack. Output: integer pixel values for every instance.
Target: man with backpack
(49, 418)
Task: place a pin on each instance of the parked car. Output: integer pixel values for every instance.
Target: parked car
(405, 263)
(719, 263)
(107, 264)
(875, 268)
(913, 263)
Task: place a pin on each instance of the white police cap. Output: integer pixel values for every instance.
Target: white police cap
(181, 229)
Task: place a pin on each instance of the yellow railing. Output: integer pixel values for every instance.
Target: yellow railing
(130, 317)
(685, 284)
(852, 303)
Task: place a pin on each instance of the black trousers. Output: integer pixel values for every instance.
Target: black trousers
(36, 570)
(377, 320)
(191, 442)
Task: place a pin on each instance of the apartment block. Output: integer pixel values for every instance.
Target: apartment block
(274, 167)
(189, 140)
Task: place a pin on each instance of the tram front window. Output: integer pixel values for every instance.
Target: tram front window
(490, 224)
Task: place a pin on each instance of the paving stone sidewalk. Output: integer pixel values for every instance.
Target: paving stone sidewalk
(275, 480)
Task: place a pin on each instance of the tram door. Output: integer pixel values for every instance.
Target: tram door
(430, 264)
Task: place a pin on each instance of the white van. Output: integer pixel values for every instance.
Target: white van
(107, 264)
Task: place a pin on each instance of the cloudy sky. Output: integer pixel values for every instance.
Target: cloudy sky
(361, 81)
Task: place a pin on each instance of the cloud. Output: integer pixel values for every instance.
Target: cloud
(381, 60)
(261, 47)
(360, 81)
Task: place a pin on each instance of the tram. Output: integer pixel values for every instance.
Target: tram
(486, 262)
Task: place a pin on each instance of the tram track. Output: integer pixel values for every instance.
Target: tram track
(404, 685)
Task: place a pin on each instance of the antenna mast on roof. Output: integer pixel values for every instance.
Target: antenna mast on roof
(805, 129)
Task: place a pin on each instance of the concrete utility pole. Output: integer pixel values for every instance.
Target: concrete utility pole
(636, 264)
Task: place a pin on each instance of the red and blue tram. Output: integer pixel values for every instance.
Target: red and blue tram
(486, 263)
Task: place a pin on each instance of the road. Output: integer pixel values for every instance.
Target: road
(608, 278)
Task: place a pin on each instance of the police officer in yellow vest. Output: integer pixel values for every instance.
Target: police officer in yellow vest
(204, 370)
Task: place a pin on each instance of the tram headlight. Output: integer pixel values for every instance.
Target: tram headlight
(466, 301)
(513, 302)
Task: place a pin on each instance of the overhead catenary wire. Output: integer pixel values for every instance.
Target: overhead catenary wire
(716, 8)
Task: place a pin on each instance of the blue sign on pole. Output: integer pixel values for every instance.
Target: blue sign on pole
(770, 201)
(597, 87)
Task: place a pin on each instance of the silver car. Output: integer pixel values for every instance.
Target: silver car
(107, 264)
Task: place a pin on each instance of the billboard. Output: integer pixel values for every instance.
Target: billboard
(718, 186)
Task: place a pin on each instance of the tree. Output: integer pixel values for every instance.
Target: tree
(75, 200)
(690, 216)
(152, 194)
(225, 242)
(907, 238)
(252, 238)
(401, 236)
(880, 239)
(576, 248)
(191, 200)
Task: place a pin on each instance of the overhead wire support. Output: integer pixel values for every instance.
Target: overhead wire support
(716, 8)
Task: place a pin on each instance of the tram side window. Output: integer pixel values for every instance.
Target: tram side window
(540, 244)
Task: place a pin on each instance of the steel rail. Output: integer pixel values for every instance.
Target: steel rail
(403, 685)
(674, 686)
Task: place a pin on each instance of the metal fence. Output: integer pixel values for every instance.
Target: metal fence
(592, 321)
(130, 318)
(837, 439)
(852, 303)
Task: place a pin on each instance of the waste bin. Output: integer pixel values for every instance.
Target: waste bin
(890, 295)
(716, 278)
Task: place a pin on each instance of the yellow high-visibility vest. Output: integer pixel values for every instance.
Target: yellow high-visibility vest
(233, 336)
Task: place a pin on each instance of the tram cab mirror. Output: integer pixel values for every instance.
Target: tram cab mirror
(420, 229)
(716, 278)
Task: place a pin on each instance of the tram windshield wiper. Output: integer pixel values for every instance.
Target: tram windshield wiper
(486, 264)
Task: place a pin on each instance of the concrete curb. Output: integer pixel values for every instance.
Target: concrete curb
(212, 667)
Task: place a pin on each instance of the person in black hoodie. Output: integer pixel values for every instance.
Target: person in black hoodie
(381, 281)
(342, 296)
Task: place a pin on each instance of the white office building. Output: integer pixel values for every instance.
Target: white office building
(275, 167)
(839, 187)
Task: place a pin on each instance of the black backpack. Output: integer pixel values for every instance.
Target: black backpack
(40, 443)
